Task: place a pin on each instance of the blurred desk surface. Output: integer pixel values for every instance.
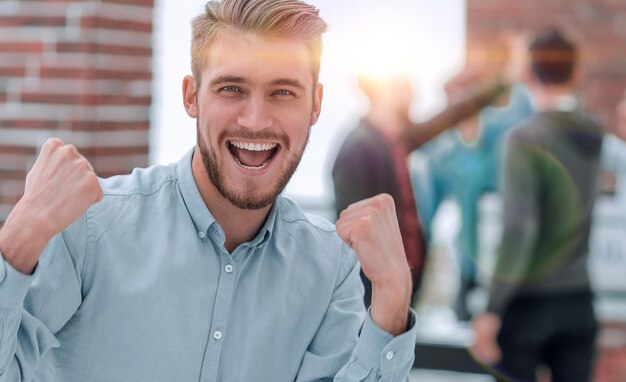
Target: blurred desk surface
(446, 347)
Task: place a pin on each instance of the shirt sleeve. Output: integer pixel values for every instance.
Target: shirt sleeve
(520, 212)
(33, 308)
(379, 356)
(339, 353)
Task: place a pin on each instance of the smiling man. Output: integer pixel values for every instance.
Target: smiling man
(201, 270)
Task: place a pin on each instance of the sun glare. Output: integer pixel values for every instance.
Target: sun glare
(383, 55)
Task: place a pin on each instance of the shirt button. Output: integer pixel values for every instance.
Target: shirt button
(389, 355)
(228, 268)
(202, 235)
(217, 335)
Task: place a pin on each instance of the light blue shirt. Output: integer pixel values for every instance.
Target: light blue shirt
(142, 289)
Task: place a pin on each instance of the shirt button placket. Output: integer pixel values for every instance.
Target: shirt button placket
(219, 324)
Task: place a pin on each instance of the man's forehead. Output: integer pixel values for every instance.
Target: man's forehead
(251, 55)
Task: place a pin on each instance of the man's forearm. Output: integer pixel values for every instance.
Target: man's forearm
(21, 241)
(420, 133)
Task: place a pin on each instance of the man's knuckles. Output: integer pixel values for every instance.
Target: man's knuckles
(51, 144)
(383, 201)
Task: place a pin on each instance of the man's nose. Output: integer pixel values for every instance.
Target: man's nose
(255, 114)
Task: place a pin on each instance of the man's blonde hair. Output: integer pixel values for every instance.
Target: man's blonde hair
(281, 18)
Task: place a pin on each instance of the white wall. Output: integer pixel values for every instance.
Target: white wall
(433, 31)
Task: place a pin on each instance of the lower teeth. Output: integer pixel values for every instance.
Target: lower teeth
(262, 166)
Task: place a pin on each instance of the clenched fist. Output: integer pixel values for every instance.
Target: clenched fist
(370, 228)
(60, 187)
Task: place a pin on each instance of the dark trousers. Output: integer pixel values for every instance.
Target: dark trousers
(558, 332)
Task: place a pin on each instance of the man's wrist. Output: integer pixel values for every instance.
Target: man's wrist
(390, 305)
(22, 240)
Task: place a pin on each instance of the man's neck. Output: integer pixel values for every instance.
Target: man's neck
(554, 97)
(239, 225)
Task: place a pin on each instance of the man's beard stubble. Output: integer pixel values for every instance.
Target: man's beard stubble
(250, 198)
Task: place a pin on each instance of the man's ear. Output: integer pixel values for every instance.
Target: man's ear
(190, 92)
(318, 94)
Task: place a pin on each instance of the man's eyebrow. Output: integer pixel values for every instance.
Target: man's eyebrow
(228, 79)
(288, 82)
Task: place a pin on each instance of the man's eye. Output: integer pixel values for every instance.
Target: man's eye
(283, 92)
(231, 89)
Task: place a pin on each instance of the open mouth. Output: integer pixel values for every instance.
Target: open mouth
(253, 156)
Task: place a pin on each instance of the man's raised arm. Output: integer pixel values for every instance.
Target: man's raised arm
(59, 189)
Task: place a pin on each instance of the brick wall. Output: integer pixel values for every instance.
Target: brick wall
(599, 26)
(80, 70)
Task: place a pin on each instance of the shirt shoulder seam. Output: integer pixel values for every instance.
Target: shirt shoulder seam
(140, 192)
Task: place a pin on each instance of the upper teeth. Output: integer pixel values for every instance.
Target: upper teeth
(253, 146)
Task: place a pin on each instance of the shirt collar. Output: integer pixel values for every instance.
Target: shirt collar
(566, 103)
(266, 230)
(200, 214)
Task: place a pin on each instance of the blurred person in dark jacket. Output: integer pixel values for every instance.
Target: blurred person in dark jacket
(540, 301)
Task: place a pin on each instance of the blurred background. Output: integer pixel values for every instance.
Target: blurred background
(106, 76)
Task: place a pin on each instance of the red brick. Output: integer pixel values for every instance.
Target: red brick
(28, 124)
(124, 50)
(604, 50)
(21, 47)
(92, 73)
(64, 72)
(54, 99)
(598, 31)
(12, 174)
(10, 199)
(145, 3)
(122, 100)
(12, 72)
(114, 151)
(75, 47)
(53, 1)
(107, 23)
(26, 151)
(124, 75)
(38, 21)
(83, 99)
(82, 47)
(109, 126)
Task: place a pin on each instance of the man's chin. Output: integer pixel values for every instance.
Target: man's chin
(249, 197)
(250, 202)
